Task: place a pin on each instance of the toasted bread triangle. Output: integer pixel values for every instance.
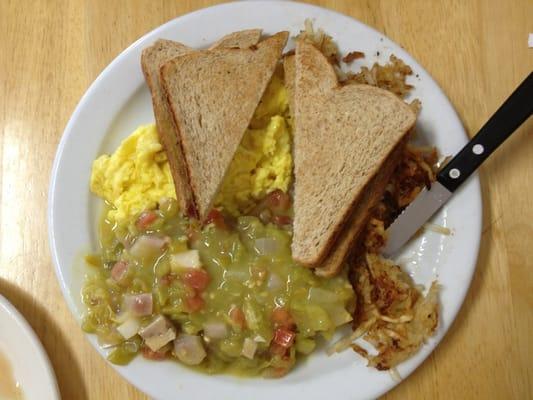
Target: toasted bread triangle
(354, 227)
(152, 60)
(212, 96)
(343, 136)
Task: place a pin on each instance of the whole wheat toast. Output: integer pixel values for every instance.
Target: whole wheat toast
(371, 195)
(345, 140)
(152, 59)
(212, 96)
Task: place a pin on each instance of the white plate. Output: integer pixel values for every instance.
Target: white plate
(118, 101)
(21, 347)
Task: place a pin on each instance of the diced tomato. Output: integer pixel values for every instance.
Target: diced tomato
(167, 279)
(282, 318)
(153, 355)
(278, 350)
(284, 337)
(146, 219)
(281, 220)
(278, 200)
(216, 218)
(195, 303)
(196, 278)
(119, 270)
(238, 317)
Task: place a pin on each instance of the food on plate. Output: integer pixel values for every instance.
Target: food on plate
(241, 303)
(199, 258)
(135, 177)
(263, 160)
(152, 59)
(397, 317)
(343, 136)
(212, 96)
(9, 388)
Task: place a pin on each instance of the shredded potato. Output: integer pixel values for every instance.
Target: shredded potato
(391, 76)
(407, 318)
(321, 41)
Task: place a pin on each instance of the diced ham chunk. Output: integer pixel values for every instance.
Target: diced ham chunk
(138, 305)
(284, 337)
(119, 270)
(146, 219)
(158, 333)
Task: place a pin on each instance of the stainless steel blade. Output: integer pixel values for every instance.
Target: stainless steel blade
(414, 216)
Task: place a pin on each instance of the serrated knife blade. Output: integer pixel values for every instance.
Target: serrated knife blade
(513, 112)
(427, 203)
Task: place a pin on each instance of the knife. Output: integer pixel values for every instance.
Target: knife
(516, 109)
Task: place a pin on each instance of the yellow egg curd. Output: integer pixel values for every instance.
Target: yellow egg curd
(263, 161)
(135, 177)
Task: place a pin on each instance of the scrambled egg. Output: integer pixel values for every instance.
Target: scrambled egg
(135, 177)
(263, 160)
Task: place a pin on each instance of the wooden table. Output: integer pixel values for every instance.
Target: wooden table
(51, 51)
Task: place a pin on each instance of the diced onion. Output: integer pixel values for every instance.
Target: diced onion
(186, 259)
(252, 315)
(259, 339)
(321, 296)
(156, 342)
(129, 328)
(274, 282)
(189, 349)
(148, 246)
(249, 348)
(266, 246)
(215, 330)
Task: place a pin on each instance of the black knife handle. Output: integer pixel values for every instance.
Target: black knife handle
(516, 109)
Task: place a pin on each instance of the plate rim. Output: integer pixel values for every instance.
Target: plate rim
(428, 348)
(31, 337)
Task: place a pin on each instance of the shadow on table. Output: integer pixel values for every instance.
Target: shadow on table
(501, 159)
(68, 374)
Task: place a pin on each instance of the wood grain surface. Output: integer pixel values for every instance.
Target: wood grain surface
(51, 51)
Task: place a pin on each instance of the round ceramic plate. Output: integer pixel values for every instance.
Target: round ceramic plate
(118, 101)
(21, 348)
